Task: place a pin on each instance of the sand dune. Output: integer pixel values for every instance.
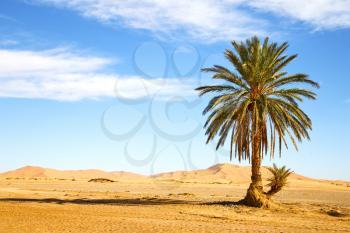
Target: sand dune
(219, 173)
(224, 173)
(39, 172)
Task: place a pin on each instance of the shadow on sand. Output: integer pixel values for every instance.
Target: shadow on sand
(131, 201)
(225, 203)
(122, 201)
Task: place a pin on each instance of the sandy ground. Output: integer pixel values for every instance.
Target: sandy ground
(50, 205)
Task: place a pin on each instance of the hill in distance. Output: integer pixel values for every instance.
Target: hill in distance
(217, 174)
(40, 172)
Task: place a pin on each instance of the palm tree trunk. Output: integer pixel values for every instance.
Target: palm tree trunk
(256, 164)
(255, 195)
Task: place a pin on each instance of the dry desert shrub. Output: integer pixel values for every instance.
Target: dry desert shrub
(101, 180)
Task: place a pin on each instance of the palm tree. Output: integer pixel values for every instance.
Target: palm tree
(278, 179)
(256, 105)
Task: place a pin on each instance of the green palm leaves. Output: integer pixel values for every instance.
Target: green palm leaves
(278, 179)
(258, 100)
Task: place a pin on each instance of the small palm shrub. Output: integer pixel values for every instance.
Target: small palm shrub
(278, 179)
(101, 180)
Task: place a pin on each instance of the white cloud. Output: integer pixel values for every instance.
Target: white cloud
(60, 74)
(322, 14)
(8, 42)
(205, 20)
(53, 61)
(210, 20)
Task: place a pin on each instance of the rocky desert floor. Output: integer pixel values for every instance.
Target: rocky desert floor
(152, 205)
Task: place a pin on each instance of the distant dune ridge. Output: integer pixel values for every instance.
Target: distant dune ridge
(217, 174)
(40, 172)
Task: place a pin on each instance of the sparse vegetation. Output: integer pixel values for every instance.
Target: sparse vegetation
(186, 194)
(278, 179)
(335, 213)
(101, 180)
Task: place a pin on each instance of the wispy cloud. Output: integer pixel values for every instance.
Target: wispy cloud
(8, 42)
(58, 60)
(8, 18)
(321, 14)
(61, 74)
(204, 20)
(210, 20)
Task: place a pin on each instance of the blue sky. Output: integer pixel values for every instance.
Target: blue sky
(109, 84)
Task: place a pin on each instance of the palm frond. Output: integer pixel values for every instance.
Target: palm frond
(278, 179)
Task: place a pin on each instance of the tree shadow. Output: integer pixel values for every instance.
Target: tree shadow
(226, 203)
(83, 201)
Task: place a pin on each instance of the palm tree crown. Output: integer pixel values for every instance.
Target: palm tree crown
(257, 104)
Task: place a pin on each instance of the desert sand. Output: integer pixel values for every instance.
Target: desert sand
(35, 199)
